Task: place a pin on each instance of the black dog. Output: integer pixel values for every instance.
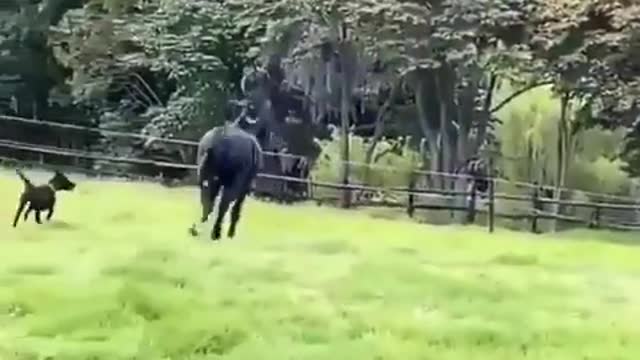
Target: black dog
(42, 197)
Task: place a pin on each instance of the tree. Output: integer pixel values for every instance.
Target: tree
(312, 46)
(454, 55)
(164, 68)
(586, 49)
(451, 53)
(27, 65)
(168, 67)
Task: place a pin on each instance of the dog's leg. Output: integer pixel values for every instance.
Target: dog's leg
(38, 219)
(50, 213)
(51, 209)
(19, 211)
(26, 214)
(225, 201)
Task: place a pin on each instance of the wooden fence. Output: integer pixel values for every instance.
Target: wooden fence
(414, 198)
(536, 203)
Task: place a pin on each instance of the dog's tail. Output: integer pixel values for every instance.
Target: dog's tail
(24, 178)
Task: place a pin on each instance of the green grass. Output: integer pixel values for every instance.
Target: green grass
(111, 279)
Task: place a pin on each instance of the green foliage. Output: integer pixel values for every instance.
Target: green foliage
(28, 70)
(631, 152)
(597, 166)
(392, 169)
(602, 175)
(165, 60)
(528, 138)
(586, 47)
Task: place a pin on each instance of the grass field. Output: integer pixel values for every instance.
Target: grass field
(116, 276)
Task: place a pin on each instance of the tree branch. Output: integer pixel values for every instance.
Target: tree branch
(510, 98)
(393, 149)
(488, 99)
(151, 92)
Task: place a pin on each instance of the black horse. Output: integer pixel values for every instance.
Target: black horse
(295, 167)
(478, 170)
(228, 158)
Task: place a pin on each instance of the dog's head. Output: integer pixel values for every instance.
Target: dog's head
(60, 182)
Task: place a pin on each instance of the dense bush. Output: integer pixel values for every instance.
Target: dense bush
(391, 169)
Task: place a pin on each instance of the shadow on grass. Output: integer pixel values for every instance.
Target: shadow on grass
(35, 270)
(61, 225)
(510, 259)
(604, 236)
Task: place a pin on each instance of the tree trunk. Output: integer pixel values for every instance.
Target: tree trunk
(344, 147)
(561, 165)
(483, 122)
(429, 133)
(446, 146)
(345, 106)
(460, 183)
(466, 115)
(378, 131)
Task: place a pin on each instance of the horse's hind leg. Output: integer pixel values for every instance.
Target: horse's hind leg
(208, 196)
(235, 214)
(208, 193)
(227, 197)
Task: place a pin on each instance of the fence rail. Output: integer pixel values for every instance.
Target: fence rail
(416, 198)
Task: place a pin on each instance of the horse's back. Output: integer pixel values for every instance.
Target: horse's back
(231, 152)
(238, 147)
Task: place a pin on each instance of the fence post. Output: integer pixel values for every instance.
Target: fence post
(309, 188)
(346, 192)
(492, 199)
(536, 206)
(283, 196)
(471, 212)
(411, 199)
(595, 218)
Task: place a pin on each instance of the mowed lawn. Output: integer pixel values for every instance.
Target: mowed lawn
(117, 276)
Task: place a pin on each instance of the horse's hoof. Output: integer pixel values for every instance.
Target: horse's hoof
(193, 231)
